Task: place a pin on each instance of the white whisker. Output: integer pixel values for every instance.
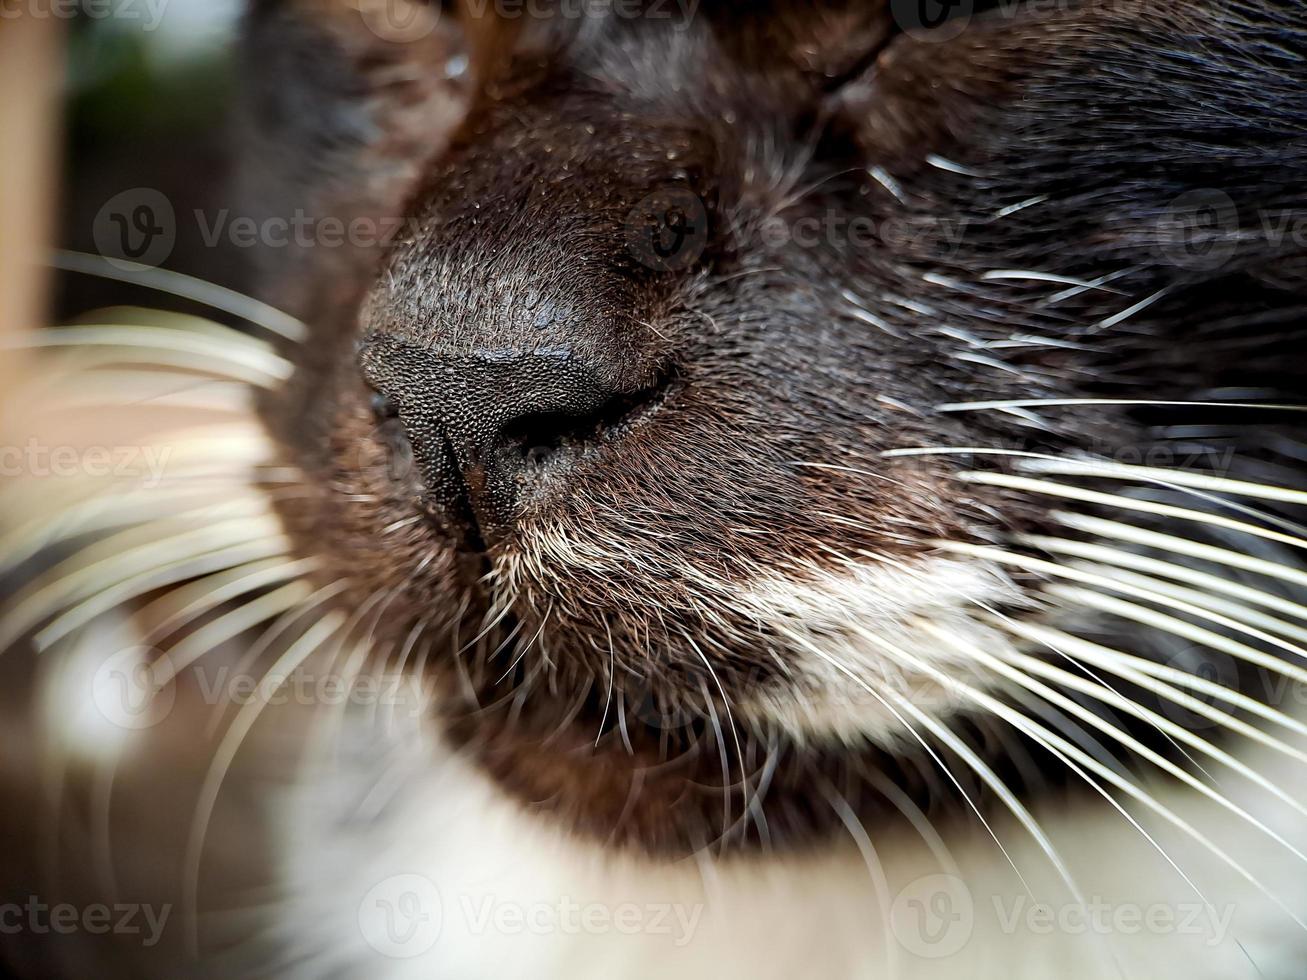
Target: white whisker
(1117, 501)
(167, 574)
(904, 703)
(87, 573)
(1051, 738)
(1173, 544)
(1031, 665)
(181, 606)
(187, 287)
(225, 754)
(229, 626)
(1072, 402)
(1179, 627)
(1149, 675)
(1205, 581)
(1139, 613)
(166, 346)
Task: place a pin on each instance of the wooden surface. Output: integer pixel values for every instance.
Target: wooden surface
(31, 67)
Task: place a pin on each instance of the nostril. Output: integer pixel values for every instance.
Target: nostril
(541, 451)
(540, 438)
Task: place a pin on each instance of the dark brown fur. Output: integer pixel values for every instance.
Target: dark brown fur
(517, 190)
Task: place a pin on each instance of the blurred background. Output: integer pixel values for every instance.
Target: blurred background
(112, 106)
(116, 124)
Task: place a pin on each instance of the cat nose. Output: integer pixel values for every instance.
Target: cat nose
(506, 417)
(500, 427)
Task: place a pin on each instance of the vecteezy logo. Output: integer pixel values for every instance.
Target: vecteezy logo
(658, 714)
(932, 20)
(668, 229)
(136, 226)
(1213, 671)
(401, 916)
(933, 916)
(398, 21)
(126, 688)
(1199, 230)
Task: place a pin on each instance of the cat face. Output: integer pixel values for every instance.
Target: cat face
(718, 356)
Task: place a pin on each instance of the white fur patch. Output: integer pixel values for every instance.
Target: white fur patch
(455, 881)
(844, 631)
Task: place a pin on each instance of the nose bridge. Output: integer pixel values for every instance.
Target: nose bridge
(513, 329)
(504, 309)
(546, 233)
(495, 384)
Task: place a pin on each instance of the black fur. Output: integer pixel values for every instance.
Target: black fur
(848, 198)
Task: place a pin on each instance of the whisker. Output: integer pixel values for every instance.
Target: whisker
(166, 346)
(1106, 468)
(991, 778)
(1139, 613)
(180, 570)
(1174, 544)
(730, 720)
(181, 606)
(1179, 627)
(1099, 682)
(1167, 477)
(1097, 787)
(1154, 508)
(1072, 402)
(725, 757)
(871, 859)
(1147, 674)
(525, 647)
(1069, 680)
(225, 754)
(270, 636)
(1128, 559)
(1194, 597)
(73, 580)
(187, 287)
(227, 627)
(107, 387)
(612, 674)
(884, 700)
(1036, 276)
(405, 652)
(1117, 319)
(1038, 731)
(915, 816)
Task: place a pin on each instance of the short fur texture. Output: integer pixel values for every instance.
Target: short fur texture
(790, 449)
(989, 173)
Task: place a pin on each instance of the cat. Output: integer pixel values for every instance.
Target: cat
(719, 490)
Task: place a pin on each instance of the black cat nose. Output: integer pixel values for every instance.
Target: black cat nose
(504, 416)
(498, 427)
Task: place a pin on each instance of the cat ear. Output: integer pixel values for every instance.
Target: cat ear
(344, 103)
